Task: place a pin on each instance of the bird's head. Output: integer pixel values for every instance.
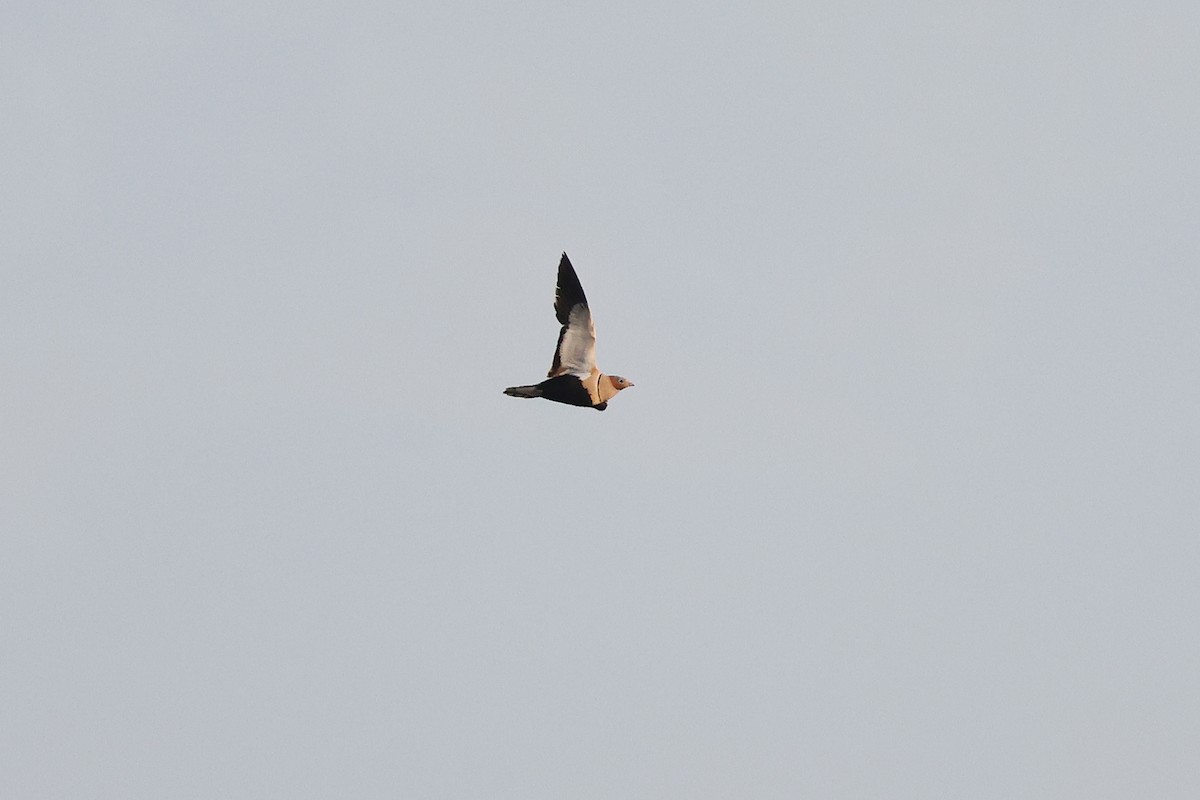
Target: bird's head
(619, 383)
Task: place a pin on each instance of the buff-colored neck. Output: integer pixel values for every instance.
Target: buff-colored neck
(605, 389)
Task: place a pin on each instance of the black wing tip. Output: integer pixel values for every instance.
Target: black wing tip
(566, 268)
(568, 292)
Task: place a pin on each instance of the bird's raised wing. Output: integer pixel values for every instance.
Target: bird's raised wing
(576, 351)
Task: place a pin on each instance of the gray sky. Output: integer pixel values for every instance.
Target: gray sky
(905, 503)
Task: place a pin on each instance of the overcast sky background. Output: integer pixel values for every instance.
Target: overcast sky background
(905, 503)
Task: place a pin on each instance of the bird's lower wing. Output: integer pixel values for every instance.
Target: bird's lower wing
(576, 351)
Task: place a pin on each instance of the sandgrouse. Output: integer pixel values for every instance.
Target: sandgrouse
(573, 377)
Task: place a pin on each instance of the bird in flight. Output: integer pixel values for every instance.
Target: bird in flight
(573, 377)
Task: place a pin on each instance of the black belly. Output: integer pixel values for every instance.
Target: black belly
(568, 389)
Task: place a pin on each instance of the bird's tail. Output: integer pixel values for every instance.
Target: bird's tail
(523, 391)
